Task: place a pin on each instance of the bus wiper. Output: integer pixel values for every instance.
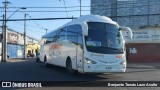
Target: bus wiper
(110, 47)
(121, 50)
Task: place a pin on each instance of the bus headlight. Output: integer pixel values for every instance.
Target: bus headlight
(89, 61)
(123, 62)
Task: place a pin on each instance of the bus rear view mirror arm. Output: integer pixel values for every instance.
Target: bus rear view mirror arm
(129, 31)
(85, 26)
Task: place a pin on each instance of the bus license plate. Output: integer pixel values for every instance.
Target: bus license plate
(108, 68)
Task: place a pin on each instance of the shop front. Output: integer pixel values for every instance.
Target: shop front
(15, 51)
(145, 45)
(15, 45)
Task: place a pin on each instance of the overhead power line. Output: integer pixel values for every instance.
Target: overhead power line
(76, 17)
(40, 19)
(92, 6)
(37, 28)
(65, 7)
(51, 7)
(37, 23)
(50, 11)
(32, 20)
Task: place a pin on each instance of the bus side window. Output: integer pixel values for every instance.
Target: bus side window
(49, 40)
(61, 35)
(54, 39)
(74, 34)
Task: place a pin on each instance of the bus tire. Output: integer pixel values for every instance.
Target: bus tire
(36, 60)
(69, 67)
(45, 61)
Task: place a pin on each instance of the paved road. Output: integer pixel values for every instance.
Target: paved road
(29, 70)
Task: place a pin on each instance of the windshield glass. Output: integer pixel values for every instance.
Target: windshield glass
(104, 38)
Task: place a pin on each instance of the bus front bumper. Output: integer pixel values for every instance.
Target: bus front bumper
(104, 68)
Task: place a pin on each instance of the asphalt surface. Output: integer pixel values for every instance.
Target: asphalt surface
(29, 70)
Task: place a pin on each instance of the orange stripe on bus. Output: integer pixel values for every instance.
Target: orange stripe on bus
(57, 46)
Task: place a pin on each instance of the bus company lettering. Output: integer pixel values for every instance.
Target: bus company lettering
(57, 46)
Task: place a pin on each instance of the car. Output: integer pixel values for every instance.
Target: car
(30, 55)
(38, 57)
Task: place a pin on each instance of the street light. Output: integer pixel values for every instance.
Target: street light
(4, 40)
(16, 11)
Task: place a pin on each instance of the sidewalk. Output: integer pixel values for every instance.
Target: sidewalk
(145, 65)
(18, 59)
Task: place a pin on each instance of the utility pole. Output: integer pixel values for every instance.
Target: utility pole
(80, 7)
(5, 33)
(24, 57)
(2, 58)
(46, 30)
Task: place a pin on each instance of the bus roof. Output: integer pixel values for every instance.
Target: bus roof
(86, 18)
(93, 18)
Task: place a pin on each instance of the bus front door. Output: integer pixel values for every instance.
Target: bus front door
(79, 54)
(76, 52)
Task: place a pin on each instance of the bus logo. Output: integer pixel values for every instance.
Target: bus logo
(6, 84)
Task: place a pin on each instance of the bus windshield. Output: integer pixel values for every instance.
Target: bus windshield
(104, 38)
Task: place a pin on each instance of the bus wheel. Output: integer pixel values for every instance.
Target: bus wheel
(69, 67)
(37, 60)
(45, 61)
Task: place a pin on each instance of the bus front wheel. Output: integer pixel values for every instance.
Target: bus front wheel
(69, 67)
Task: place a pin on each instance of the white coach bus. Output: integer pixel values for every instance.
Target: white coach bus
(89, 44)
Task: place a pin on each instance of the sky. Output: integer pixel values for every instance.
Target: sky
(36, 28)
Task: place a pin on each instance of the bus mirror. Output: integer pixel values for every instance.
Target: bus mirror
(129, 31)
(85, 29)
(42, 41)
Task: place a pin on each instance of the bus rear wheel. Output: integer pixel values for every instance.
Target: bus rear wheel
(45, 61)
(69, 68)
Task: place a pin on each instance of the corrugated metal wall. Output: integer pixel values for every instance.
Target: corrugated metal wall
(15, 51)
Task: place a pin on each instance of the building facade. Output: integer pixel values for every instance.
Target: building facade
(144, 46)
(131, 13)
(15, 44)
(143, 17)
